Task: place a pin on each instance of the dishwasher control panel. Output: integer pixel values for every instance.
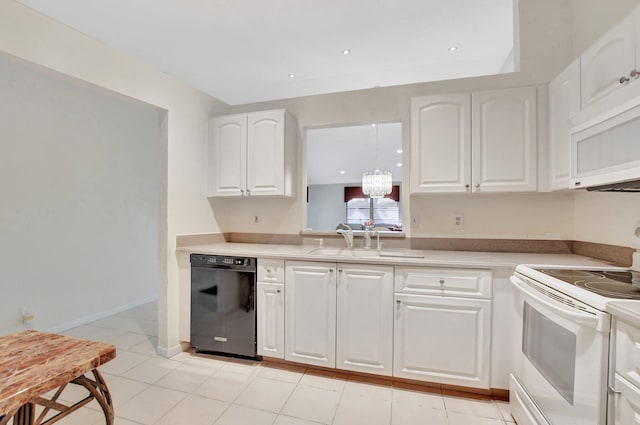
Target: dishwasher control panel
(222, 261)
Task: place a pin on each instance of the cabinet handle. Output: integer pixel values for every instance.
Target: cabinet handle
(467, 186)
(477, 185)
(623, 80)
(398, 302)
(635, 74)
(339, 270)
(330, 270)
(577, 183)
(248, 192)
(441, 281)
(242, 192)
(278, 291)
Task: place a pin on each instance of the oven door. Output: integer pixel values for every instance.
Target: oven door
(560, 357)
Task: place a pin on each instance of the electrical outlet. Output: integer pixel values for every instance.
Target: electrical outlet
(415, 221)
(458, 220)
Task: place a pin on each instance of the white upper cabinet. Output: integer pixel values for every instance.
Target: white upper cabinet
(504, 135)
(441, 143)
(564, 103)
(227, 163)
(480, 142)
(607, 65)
(252, 154)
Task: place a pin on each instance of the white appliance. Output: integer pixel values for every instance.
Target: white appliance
(561, 355)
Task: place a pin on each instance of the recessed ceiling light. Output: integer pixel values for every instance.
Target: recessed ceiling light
(346, 51)
(341, 171)
(399, 151)
(373, 125)
(453, 48)
(292, 75)
(399, 164)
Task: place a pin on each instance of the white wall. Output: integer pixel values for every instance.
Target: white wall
(79, 178)
(326, 208)
(543, 23)
(517, 216)
(38, 39)
(553, 32)
(609, 218)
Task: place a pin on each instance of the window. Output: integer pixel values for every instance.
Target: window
(384, 211)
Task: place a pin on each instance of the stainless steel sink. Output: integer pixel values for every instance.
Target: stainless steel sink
(344, 252)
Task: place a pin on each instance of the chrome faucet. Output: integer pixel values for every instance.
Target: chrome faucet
(347, 232)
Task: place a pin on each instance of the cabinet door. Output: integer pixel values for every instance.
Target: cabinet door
(606, 61)
(266, 155)
(310, 313)
(365, 318)
(626, 403)
(441, 143)
(270, 319)
(227, 156)
(504, 138)
(564, 103)
(444, 340)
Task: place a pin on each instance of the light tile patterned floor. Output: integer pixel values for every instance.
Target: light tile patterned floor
(192, 390)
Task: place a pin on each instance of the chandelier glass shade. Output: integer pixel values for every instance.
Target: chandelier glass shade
(378, 183)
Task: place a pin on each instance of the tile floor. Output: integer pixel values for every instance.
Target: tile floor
(191, 390)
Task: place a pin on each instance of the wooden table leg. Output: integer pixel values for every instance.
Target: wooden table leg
(25, 415)
(99, 390)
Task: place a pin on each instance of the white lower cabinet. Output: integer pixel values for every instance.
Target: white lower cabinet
(442, 325)
(310, 313)
(443, 340)
(347, 316)
(270, 320)
(626, 409)
(365, 318)
(624, 379)
(340, 315)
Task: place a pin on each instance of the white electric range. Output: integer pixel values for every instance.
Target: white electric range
(561, 355)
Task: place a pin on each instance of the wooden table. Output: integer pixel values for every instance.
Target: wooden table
(33, 363)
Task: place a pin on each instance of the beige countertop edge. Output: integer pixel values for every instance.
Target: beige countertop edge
(626, 311)
(431, 257)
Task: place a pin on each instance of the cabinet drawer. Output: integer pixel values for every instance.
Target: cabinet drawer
(454, 282)
(270, 270)
(627, 359)
(627, 403)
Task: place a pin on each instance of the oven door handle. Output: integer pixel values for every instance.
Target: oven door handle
(577, 316)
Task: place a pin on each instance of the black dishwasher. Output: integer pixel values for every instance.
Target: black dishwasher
(223, 305)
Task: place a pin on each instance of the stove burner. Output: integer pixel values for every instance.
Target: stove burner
(607, 283)
(611, 288)
(571, 273)
(625, 277)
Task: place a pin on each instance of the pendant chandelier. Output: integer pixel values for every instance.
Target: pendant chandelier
(378, 183)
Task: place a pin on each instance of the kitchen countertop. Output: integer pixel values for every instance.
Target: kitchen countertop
(431, 257)
(626, 310)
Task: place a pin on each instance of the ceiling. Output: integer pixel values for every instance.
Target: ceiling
(244, 51)
(353, 150)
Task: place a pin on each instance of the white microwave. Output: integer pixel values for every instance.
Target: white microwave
(605, 150)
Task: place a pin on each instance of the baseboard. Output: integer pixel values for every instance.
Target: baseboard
(404, 383)
(170, 352)
(100, 315)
